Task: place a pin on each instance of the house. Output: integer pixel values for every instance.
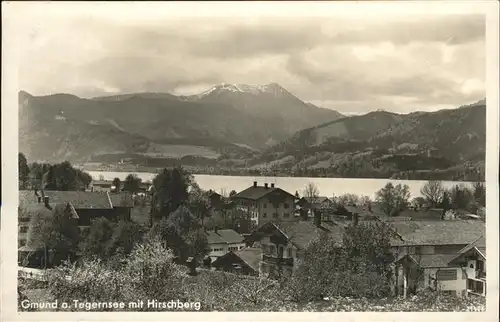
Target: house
(87, 204)
(460, 274)
(265, 203)
(314, 203)
(283, 243)
(101, 185)
(222, 241)
(425, 250)
(245, 261)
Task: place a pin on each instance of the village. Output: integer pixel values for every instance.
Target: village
(265, 232)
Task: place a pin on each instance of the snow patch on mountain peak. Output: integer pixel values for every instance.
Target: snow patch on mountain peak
(271, 88)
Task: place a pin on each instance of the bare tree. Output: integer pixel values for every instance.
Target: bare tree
(433, 192)
(311, 191)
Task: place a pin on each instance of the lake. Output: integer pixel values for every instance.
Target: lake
(327, 186)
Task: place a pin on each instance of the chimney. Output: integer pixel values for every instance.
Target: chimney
(272, 185)
(266, 185)
(317, 218)
(355, 219)
(46, 200)
(255, 183)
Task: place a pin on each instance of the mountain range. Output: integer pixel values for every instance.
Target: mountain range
(257, 128)
(239, 118)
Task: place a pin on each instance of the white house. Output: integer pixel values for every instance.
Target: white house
(222, 241)
(462, 273)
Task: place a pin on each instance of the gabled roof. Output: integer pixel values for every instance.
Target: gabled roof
(444, 232)
(250, 256)
(301, 233)
(121, 199)
(81, 199)
(479, 245)
(224, 236)
(432, 260)
(256, 193)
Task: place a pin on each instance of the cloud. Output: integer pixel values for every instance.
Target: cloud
(351, 63)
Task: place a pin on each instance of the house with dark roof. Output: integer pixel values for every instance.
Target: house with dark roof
(245, 261)
(432, 245)
(222, 241)
(87, 204)
(266, 203)
(461, 274)
(283, 243)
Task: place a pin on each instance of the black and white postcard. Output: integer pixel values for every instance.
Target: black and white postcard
(216, 160)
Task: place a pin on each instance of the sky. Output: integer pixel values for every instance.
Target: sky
(351, 63)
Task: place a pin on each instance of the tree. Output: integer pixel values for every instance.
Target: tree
(393, 199)
(126, 235)
(96, 241)
(445, 201)
(38, 173)
(418, 202)
(171, 191)
(480, 193)
(63, 177)
(56, 230)
(461, 197)
(311, 191)
(24, 172)
(117, 184)
(182, 233)
(348, 199)
(199, 205)
(433, 192)
(132, 183)
(147, 273)
(359, 266)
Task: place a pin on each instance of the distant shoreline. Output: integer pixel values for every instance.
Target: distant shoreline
(246, 173)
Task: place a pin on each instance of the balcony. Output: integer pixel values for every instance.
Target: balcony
(277, 260)
(480, 274)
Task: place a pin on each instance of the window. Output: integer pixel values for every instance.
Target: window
(23, 229)
(285, 205)
(447, 275)
(264, 205)
(480, 265)
(290, 252)
(22, 242)
(264, 215)
(24, 219)
(275, 215)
